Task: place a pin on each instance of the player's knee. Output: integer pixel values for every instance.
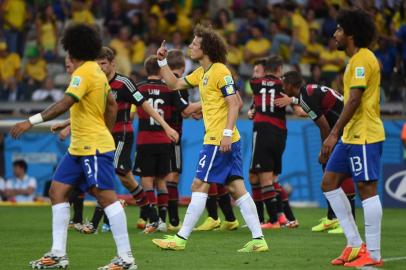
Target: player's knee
(199, 186)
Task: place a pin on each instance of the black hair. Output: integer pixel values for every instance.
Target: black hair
(151, 65)
(358, 24)
(20, 163)
(293, 78)
(82, 42)
(261, 61)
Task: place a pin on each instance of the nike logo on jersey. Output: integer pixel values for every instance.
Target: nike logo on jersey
(357, 173)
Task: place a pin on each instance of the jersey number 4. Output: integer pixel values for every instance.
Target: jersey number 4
(155, 104)
(271, 93)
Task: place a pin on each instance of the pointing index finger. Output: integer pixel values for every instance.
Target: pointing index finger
(163, 43)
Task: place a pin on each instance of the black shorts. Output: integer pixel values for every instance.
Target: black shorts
(268, 145)
(153, 160)
(122, 156)
(176, 160)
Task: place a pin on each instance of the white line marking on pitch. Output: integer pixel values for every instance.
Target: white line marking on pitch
(385, 260)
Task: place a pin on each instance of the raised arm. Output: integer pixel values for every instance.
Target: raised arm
(171, 80)
(49, 113)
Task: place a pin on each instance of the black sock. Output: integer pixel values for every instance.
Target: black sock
(279, 204)
(288, 211)
(225, 206)
(330, 213)
(78, 210)
(106, 220)
(211, 206)
(351, 198)
(153, 214)
(97, 216)
(260, 210)
(173, 213)
(162, 212)
(270, 201)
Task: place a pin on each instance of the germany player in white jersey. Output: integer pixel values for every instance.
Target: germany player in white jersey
(220, 160)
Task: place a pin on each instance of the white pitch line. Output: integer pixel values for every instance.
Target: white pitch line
(385, 260)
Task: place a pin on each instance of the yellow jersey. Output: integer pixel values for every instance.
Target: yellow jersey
(303, 27)
(36, 70)
(9, 66)
(212, 84)
(89, 87)
(15, 13)
(365, 126)
(332, 55)
(258, 46)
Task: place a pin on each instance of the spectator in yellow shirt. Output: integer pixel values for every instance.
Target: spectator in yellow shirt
(223, 23)
(258, 46)
(81, 12)
(331, 61)
(234, 50)
(14, 15)
(10, 64)
(47, 33)
(137, 52)
(35, 71)
(313, 49)
(299, 37)
(122, 46)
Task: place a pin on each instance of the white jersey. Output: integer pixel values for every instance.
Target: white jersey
(26, 182)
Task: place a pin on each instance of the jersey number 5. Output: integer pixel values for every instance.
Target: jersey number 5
(271, 93)
(155, 104)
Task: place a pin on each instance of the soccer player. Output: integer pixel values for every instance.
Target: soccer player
(154, 149)
(220, 160)
(182, 109)
(323, 105)
(359, 150)
(89, 161)
(126, 94)
(269, 139)
(218, 194)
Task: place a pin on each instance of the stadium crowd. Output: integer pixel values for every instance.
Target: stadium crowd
(31, 60)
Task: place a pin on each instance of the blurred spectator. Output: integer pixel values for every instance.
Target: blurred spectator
(338, 82)
(331, 61)
(47, 33)
(250, 18)
(61, 9)
(401, 38)
(312, 52)
(81, 12)
(21, 188)
(14, 16)
(153, 33)
(115, 19)
(400, 17)
(136, 24)
(222, 22)
(122, 46)
(311, 20)
(137, 52)
(35, 71)
(48, 92)
(387, 57)
(403, 138)
(297, 36)
(2, 189)
(315, 75)
(258, 46)
(177, 42)
(10, 65)
(330, 23)
(234, 51)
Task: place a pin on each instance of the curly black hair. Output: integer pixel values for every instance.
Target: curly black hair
(358, 24)
(82, 42)
(212, 45)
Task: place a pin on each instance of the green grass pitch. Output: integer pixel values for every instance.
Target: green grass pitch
(25, 234)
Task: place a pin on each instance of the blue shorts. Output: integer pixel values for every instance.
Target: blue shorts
(361, 161)
(87, 171)
(217, 167)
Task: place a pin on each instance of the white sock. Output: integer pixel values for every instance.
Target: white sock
(193, 213)
(342, 208)
(118, 225)
(373, 217)
(250, 214)
(60, 222)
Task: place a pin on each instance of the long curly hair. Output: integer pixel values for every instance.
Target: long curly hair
(212, 45)
(82, 42)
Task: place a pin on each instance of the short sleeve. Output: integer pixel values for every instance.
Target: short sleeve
(193, 79)
(78, 86)
(225, 82)
(359, 72)
(32, 183)
(181, 100)
(132, 94)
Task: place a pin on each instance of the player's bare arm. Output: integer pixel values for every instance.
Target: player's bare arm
(110, 114)
(324, 127)
(60, 125)
(348, 111)
(170, 132)
(171, 80)
(49, 113)
(194, 107)
(233, 109)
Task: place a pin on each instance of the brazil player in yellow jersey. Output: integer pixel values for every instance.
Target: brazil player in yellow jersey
(358, 151)
(88, 163)
(220, 159)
